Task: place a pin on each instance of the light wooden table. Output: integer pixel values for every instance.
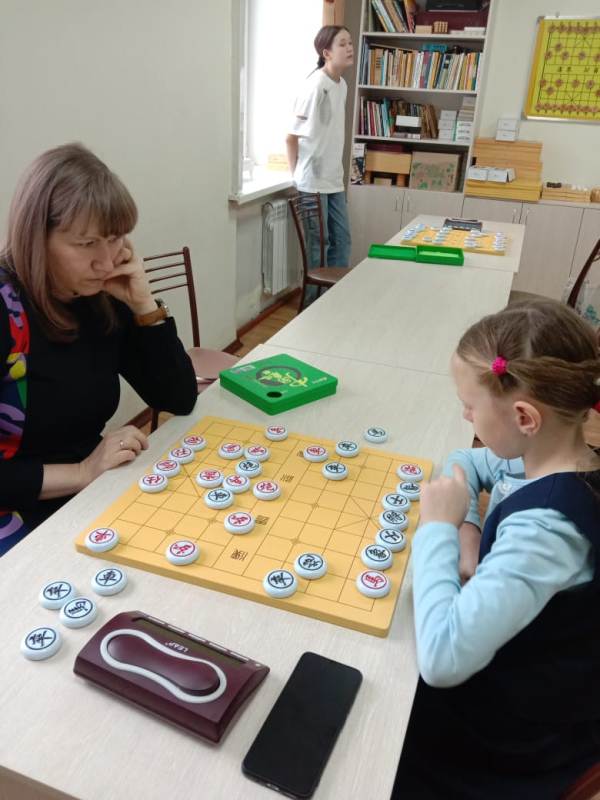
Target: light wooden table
(397, 314)
(63, 733)
(507, 263)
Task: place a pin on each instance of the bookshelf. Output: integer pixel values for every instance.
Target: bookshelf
(419, 74)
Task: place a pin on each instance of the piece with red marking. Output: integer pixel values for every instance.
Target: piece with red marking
(276, 433)
(209, 478)
(257, 452)
(266, 490)
(102, 539)
(185, 455)
(410, 472)
(153, 483)
(372, 583)
(239, 522)
(195, 443)
(182, 552)
(231, 450)
(315, 452)
(168, 467)
(237, 483)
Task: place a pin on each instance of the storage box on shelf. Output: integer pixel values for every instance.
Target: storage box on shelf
(522, 156)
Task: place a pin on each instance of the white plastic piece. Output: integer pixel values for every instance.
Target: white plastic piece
(237, 483)
(310, 566)
(78, 612)
(410, 472)
(280, 583)
(55, 594)
(168, 467)
(375, 556)
(266, 490)
(335, 471)
(109, 581)
(231, 450)
(315, 453)
(394, 501)
(194, 442)
(393, 519)
(102, 539)
(185, 455)
(257, 452)
(372, 583)
(209, 478)
(276, 433)
(182, 552)
(391, 538)
(153, 483)
(347, 449)
(239, 522)
(41, 643)
(376, 435)
(219, 498)
(251, 469)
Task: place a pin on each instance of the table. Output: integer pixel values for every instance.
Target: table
(507, 263)
(397, 314)
(387, 332)
(71, 736)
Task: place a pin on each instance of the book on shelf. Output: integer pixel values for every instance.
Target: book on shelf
(379, 118)
(410, 11)
(389, 15)
(357, 174)
(419, 69)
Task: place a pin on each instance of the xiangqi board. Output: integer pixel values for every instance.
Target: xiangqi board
(485, 242)
(335, 519)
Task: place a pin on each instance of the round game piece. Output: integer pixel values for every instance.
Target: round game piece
(375, 435)
(266, 490)
(231, 450)
(347, 449)
(248, 468)
(218, 498)
(391, 538)
(41, 643)
(315, 453)
(280, 583)
(209, 478)
(335, 471)
(109, 580)
(167, 467)
(373, 584)
(257, 452)
(310, 566)
(410, 472)
(276, 433)
(194, 442)
(393, 501)
(152, 483)
(239, 522)
(237, 483)
(410, 490)
(56, 593)
(375, 556)
(101, 539)
(182, 552)
(393, 519)
(78, 612)
(185, 455)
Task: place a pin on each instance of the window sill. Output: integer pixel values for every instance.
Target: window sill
(265, 182)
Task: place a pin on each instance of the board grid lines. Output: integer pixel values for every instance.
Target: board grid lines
(333, 518)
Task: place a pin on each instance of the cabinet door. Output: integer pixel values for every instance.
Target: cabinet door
(493, 210)
(550, 239)
(374, 213)
(419, 201)
(589, 233)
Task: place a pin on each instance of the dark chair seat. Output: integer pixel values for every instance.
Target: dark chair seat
(327, 276)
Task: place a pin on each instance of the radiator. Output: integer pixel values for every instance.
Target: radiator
(274, 246)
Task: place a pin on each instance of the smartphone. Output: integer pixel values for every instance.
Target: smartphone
(291, 749)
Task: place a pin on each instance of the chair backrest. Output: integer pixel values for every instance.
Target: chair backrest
(594, 256)
(176, 273)
(305, 207)
(586, 788)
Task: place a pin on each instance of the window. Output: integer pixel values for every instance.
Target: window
(277, 54)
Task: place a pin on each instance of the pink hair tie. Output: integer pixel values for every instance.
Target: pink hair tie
(499, 365)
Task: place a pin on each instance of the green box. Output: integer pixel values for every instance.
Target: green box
(434, 254)
(278, 383)
(393, 251)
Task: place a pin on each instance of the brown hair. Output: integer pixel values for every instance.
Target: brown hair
(63, 184)
(324, 40)
(551, 354)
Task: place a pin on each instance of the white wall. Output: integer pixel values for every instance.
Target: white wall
(146, 85)
(570, 149)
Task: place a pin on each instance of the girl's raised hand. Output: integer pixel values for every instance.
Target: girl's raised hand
(446, 499)
(128, 281)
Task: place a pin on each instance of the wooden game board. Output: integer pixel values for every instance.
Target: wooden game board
(457, 238)
(334, 518)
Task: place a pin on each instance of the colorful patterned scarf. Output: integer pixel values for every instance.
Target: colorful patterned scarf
(13, 402)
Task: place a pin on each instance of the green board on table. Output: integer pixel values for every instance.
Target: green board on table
(278, 383)
(422, 253)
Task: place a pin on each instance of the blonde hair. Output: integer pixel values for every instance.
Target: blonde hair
(551, 355)
(63, 184)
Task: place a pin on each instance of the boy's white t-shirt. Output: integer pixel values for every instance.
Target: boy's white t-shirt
(319, 122)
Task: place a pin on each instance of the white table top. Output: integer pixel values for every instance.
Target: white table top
(66, 734)
(514, 243)
(397, 314)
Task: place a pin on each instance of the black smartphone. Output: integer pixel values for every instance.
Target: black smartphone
(291, 749)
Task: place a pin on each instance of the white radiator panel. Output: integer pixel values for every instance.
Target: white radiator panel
(274, 246)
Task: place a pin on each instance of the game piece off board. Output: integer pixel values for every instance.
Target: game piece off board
(334, 519)
(486, 242)
(278, 383)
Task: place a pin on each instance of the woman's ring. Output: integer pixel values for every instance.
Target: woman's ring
(121, 444)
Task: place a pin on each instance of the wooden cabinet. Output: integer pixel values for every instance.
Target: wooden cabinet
(416, 201)
(375, 216)
(589, 233)
(551, 235)
(495, 210)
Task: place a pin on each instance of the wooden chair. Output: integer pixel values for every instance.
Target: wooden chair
(593, 256)
(585, 788)
(176, 273)
(305, 207)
